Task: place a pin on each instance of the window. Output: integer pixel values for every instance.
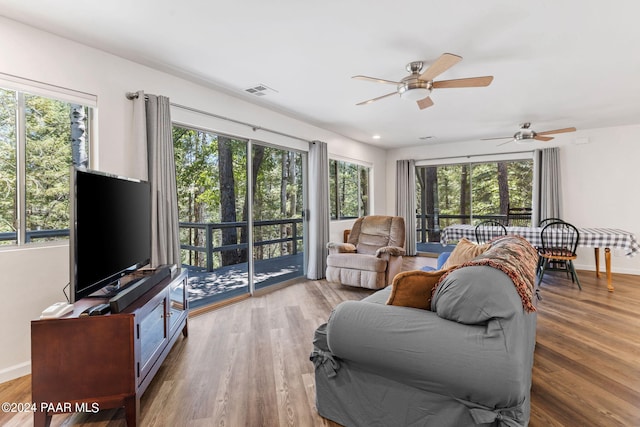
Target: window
(348, 189)
(470, 192)
(40, 138)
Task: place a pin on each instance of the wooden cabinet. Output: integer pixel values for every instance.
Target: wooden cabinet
(86, 363)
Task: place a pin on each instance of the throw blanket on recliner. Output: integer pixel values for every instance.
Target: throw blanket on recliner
(514, 256)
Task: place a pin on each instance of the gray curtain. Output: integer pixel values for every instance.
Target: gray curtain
(406, 201)
(318, 215)
(547, 195)
(165, 243)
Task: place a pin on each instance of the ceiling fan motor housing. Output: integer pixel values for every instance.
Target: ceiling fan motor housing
(414, 89)
(524, 133)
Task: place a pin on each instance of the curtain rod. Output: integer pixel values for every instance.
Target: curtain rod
(469, 156)
(134, 95)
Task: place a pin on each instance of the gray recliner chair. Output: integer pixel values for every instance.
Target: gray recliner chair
(372, 255)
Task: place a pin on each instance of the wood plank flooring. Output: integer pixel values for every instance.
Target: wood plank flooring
(247, 364)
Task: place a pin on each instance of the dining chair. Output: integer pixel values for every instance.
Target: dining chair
(555, 264)
(559, 242)
(488, 230)
(546, 221)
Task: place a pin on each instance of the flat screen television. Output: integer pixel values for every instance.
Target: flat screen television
(110, 230)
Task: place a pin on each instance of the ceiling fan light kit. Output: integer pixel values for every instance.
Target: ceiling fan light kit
(414, 91)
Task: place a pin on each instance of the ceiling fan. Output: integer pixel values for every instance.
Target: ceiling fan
(418, 85)
(526, 134)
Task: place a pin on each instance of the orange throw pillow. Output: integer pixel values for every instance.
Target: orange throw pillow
(465, 251)
(413, 288)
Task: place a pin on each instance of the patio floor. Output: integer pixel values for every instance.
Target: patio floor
(434, 247)
(225, 282)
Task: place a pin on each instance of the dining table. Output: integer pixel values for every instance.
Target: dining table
(596, 238)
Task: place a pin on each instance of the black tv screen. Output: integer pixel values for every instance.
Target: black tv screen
(110, 233)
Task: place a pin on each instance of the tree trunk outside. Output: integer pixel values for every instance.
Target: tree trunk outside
(503, 187)
(199, 210)
(432, 203)
(78, 136)
(422, 182)
(464, 193)
(227, 200)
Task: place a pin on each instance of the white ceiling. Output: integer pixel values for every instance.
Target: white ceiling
(556, 63)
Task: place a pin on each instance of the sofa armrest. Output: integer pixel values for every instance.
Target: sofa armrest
(390, 251)
(340, 248)
(416, 347)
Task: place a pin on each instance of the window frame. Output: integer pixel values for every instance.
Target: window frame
(470, 162)
(335, 204)
(24, 87)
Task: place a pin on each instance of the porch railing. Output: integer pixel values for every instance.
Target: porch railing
(425, 234)
(209, 247)
(32, 235)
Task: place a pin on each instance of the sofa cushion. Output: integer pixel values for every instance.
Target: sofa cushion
(413, 288)
(465, 251)
(357, 262)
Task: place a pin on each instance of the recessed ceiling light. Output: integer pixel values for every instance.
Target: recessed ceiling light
(425, 137)
(376, 136)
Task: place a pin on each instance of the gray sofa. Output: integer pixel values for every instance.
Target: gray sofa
(466, 362)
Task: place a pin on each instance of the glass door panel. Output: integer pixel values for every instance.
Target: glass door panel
(278, 227)
(211, 174)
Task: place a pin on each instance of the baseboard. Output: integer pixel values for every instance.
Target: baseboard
(591, 267)
(15, 371)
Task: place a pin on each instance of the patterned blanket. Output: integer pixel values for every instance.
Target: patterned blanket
(514, 256)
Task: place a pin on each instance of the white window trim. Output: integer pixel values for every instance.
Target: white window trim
(33, 87)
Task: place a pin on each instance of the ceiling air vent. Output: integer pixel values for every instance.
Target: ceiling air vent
(260, 90)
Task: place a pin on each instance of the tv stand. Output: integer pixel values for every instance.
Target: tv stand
(89, 363)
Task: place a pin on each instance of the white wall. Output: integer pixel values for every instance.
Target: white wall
(32, 278)
(600, 183)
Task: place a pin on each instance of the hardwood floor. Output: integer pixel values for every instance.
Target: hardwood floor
(247, 364)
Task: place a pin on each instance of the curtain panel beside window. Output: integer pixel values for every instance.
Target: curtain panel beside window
(155, 126)
(547, 189)
(318, 214)
(406, 201)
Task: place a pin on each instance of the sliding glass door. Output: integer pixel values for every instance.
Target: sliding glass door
(237, 237)
(278, 203)
(211, 174)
